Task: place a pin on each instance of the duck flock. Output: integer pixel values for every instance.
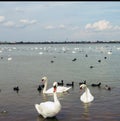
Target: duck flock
(51, 109)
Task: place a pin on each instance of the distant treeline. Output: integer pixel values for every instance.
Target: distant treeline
(65, 42)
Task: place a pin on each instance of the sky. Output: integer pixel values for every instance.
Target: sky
(39, 21)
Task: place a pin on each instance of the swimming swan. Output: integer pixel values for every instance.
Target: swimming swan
(48, 108)
(86, 97)
(60, 89)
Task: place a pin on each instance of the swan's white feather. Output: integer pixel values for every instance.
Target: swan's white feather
(60, 89)
(86, 97)
(49, 108)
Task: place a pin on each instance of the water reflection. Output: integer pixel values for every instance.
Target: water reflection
(45, 97)
(40, 118)
(86, 114)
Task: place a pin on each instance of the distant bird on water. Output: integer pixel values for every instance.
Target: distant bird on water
(40, 87)
(70, 84)
(107, 87)
(86, 97)
(96, 85)
(60, 83)
(74, 59)
(82, 82)
(16, 89)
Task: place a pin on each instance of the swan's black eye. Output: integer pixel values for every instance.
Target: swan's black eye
(42, 80)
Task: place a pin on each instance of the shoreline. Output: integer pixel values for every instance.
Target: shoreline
(77, 42)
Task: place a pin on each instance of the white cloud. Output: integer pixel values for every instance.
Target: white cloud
(55, 4)
(116, 27)
(9, 24)
(21, 23)
(75, 28)
(26, 22)
(61, 26)
(100, 25)
(49, 27)
(33, 21)
(61, 3)
(88, 26)
(2, 18)
(18, 9)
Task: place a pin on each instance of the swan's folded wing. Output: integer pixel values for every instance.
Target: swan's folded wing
(86, 97)
(62, 89)
(38, 108)
(67, 88)
(48, 109)
(50, 90)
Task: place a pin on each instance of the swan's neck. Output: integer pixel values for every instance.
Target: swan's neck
(45, 87)
(87, 90)
(55, 98)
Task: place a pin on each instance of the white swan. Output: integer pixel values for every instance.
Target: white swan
(86, 97)
(49, 109)
(60, 89)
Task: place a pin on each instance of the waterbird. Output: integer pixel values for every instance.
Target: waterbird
(99, 61)
(60, 83)
(74, 59)
(70, 84)
(96, 85)
(105, 57)
(60, 89)
(84, 82)
(49, 108)
(40, 87)
(86, 55)
(16, 88)
(107, 87)
(86, 97)
(91, 66)
(52, 61)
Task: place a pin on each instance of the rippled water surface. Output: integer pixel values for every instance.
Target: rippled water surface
(25, 65)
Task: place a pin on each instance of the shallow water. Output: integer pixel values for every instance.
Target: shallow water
(30, 63)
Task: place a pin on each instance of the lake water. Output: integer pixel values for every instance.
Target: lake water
(25, 65)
